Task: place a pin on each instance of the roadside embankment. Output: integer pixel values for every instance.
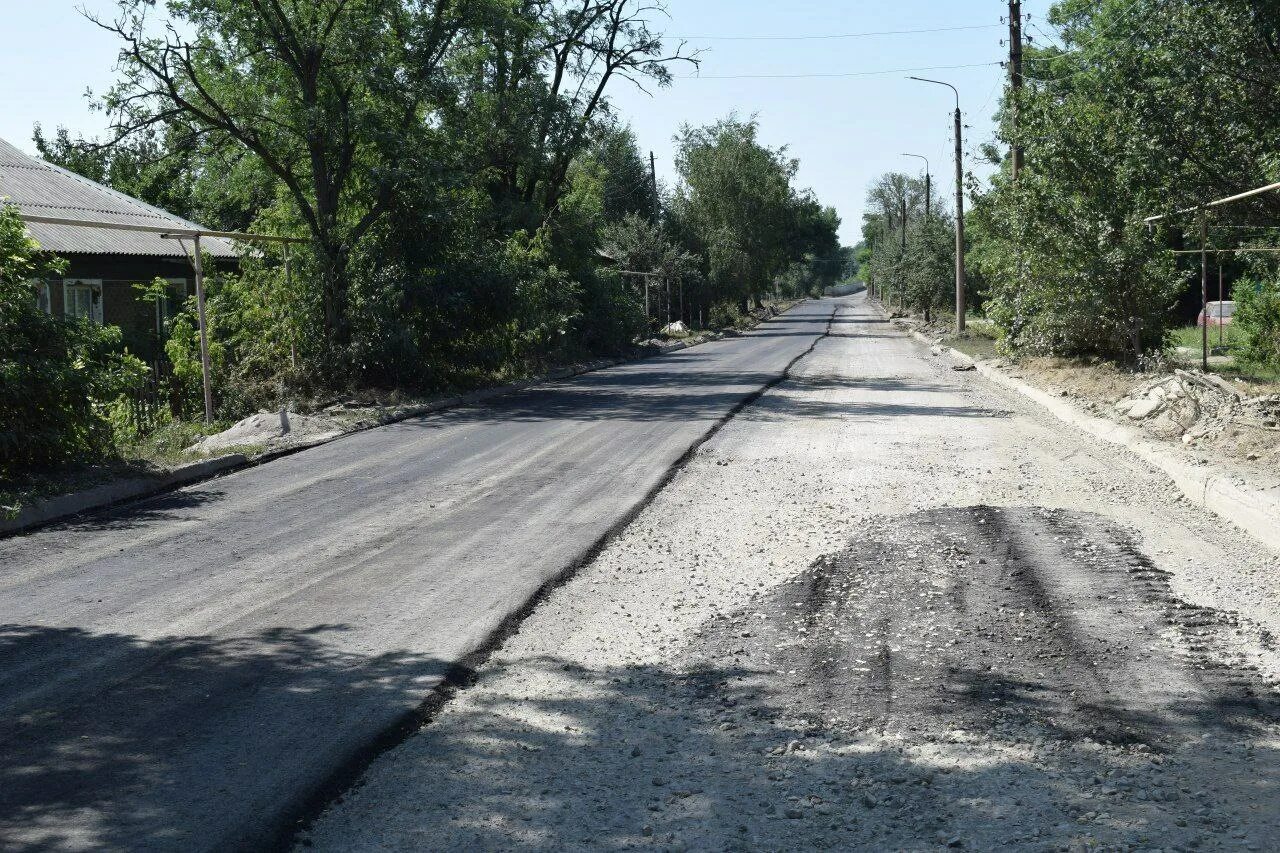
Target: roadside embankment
(1179, 422)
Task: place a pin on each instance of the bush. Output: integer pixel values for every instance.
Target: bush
(1257, 321)
(58, 377)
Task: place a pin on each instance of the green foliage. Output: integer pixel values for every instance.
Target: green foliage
(736, 206)
(910, 263)
(1153, 106)
(1256, 323)
(57, 377)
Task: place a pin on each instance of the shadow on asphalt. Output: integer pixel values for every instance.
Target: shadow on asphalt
(89, 756)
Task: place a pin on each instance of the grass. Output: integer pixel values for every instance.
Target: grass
(978, 340)
(1189, 337)
(1188, 340)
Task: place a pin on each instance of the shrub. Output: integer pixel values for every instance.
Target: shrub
(58, 377)
(1257, 320)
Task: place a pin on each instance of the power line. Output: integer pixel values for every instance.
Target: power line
(838, 35)
(834, 74)
(1080, 47)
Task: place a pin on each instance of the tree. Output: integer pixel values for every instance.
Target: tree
(535, 92)
(736, 199)
(55, 373)
(627, 186)
(335, 98)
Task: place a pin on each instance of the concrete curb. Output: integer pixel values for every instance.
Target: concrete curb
(1254, 510)
(119, 491)
(138, 488)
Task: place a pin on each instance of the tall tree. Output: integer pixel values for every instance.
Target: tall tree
(736, 197)
(538, 88)
(335, 98)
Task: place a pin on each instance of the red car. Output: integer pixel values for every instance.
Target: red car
(1220, 314)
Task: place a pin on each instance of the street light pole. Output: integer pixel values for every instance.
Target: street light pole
(928, 186)
(960, 277)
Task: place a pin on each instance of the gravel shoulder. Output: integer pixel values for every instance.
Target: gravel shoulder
(888, 606)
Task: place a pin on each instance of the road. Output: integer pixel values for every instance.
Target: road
(191, 672)
(889, 606)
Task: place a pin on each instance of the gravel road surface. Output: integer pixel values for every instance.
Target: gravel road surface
(190, 673)
(886, 607)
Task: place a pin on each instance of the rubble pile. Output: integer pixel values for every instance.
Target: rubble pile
(1201, 408)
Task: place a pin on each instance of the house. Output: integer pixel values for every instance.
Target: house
(103, 264)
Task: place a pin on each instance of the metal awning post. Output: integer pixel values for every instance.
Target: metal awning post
(293, 320)
(1204, 290)
(179, 232)
(204, 333)
(1220, 300)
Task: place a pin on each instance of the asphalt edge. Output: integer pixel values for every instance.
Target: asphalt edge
(462, 674)
(135, 489)
(1249, 508)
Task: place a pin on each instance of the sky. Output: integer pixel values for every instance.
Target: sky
(845, 130)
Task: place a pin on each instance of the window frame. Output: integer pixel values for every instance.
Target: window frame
(94, 287)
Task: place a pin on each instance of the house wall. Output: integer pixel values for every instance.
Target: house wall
(121, 303)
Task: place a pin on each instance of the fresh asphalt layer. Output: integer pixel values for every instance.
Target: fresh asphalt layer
(189, 673)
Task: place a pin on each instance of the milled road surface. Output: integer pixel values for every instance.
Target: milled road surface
(887, 607)
(186, 673)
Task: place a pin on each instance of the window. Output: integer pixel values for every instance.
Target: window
(43, 297)
(176, 299)
(82, 299)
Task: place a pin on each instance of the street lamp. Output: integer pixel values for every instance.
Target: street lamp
(960, 297)
(928, 187)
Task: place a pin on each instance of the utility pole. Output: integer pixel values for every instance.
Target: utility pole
(928, 183)
(960, 285)
(961, 307)
(653, 176)
(1015, 77)
(902, 202)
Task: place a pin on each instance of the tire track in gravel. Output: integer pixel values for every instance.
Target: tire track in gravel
(979, 617)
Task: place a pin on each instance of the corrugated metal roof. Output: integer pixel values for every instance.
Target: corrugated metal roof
(38, 188)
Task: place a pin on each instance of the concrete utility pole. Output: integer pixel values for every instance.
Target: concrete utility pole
(960, 277)
(928, 184)
(653, 176)
(902, 206)
(1015, 77)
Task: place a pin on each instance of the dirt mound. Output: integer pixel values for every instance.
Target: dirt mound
(271, 429)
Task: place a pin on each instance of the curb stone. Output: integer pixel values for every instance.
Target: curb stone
(138, 488)
(132, 488)
(1255, 510)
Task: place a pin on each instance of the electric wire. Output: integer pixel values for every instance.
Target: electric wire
(835, 36)
(803, 76)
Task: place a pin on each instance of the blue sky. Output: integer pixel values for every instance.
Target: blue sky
(844, 130)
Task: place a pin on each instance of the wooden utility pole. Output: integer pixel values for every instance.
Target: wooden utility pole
(1015, 77)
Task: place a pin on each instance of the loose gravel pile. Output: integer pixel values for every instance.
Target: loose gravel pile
(885, 608)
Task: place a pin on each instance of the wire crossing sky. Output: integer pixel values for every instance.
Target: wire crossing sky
(825, 77)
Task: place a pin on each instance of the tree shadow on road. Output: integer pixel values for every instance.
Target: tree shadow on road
(113, 741)
(708, 759)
